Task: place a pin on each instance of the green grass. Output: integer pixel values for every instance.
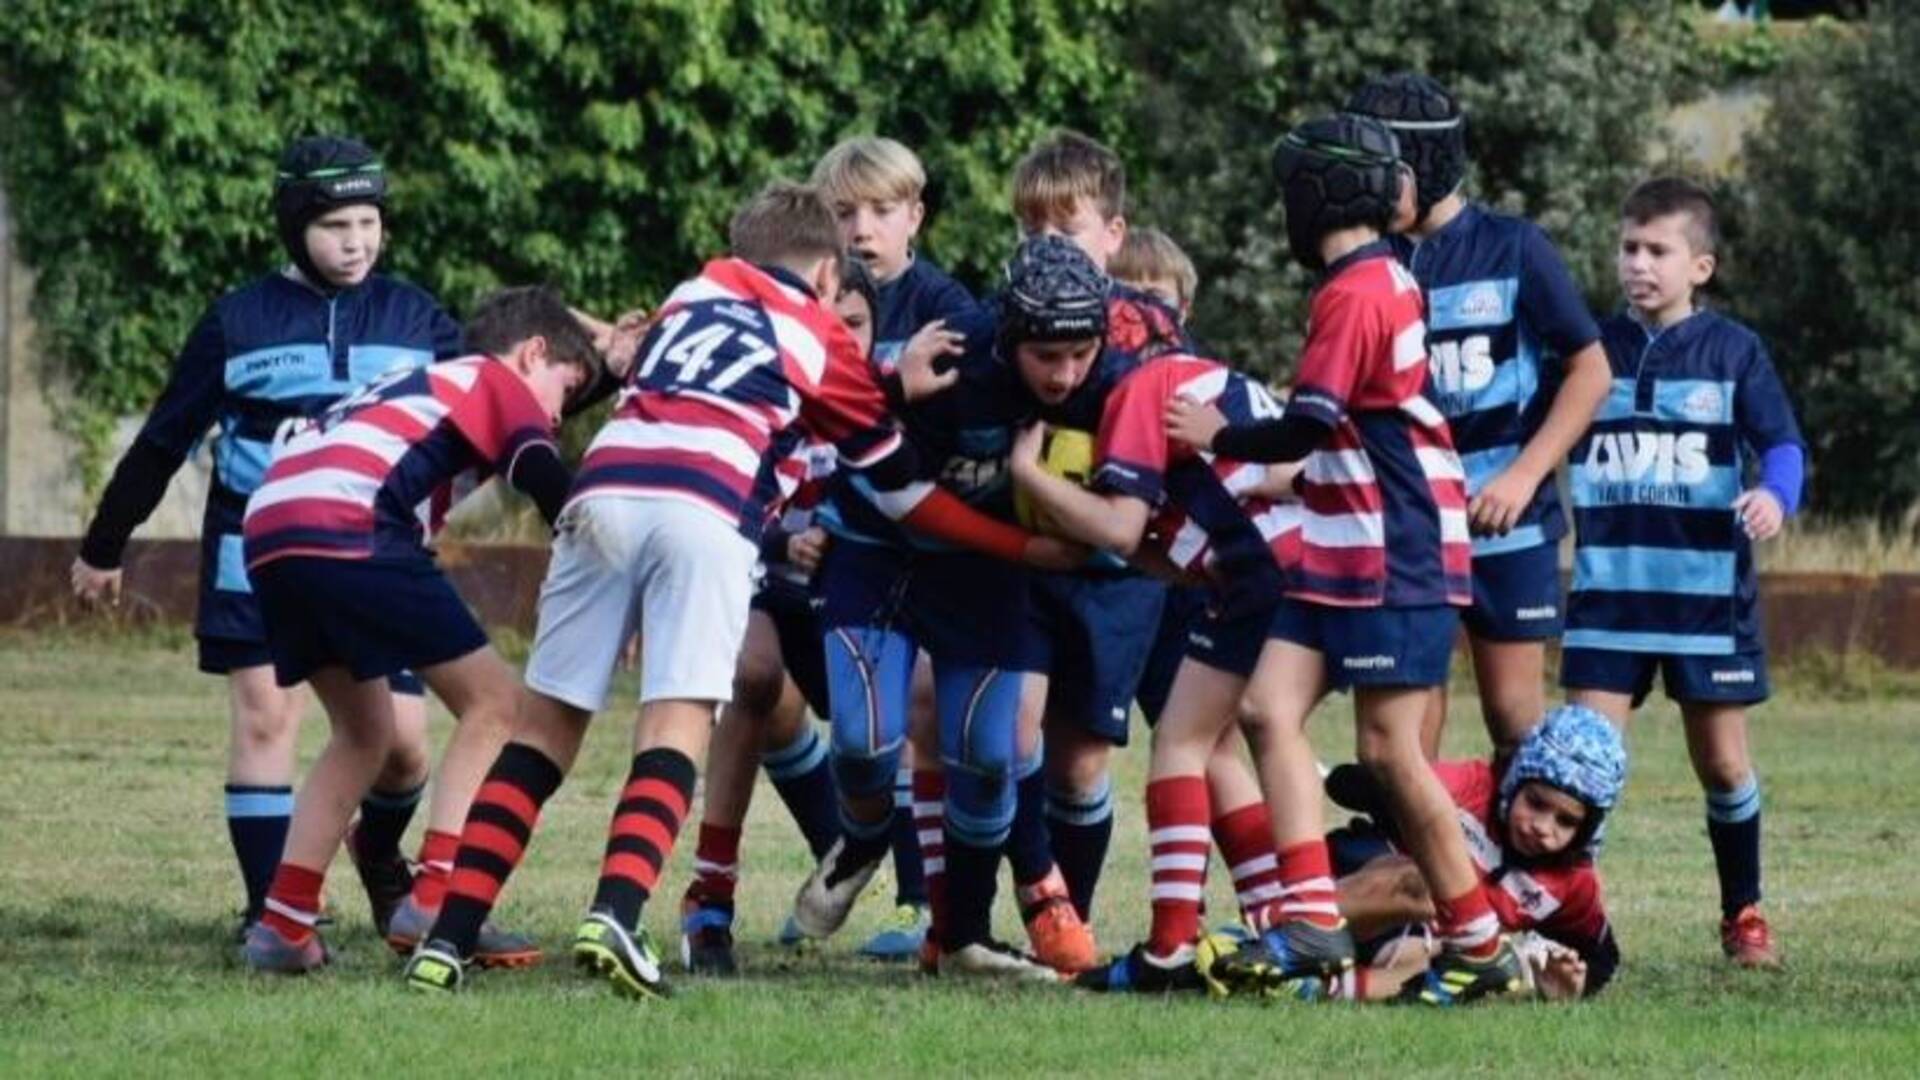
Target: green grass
(116, 887)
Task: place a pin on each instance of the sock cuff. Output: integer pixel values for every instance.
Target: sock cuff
(394, 800)
(1735, 806)
(530, 770)
(797, 758)
(247, 801)
(1081, 808)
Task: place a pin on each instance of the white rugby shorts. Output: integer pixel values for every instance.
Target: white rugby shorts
(680, 574)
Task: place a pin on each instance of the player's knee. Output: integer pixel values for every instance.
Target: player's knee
(1382, 754)
(264, 727)
(862, 773)
(979, 807)
(1081, 777)
(757, 683)
(1724, 771)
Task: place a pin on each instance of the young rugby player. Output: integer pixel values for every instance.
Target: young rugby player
(336, 543)
(875, 185)
(1533, 823)
(1665, 520)
(288, 345)
(1518, 371)
(1098, 624)
(661, 528)
(884, 603)
(1383, 566)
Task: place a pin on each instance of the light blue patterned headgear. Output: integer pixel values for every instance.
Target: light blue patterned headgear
(1576, 750)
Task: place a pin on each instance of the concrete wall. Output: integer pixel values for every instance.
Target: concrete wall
(41, 493)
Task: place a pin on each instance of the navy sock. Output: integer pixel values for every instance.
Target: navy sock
(910, 880)
(1733, 827)
(1081, 828)
(803, 776)
(972, 879)
(384, 817)
(1029, 849)
(257, 819)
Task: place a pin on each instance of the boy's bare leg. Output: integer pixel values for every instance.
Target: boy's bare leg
(1512, 677)
(1617, 708)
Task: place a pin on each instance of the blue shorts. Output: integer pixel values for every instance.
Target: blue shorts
(1373, 646)
(1094, 633)
(373, 618)
(1516, 596)
(224, 656)
(796, 621)
(1184, 607)
(955, 606)
(1738, 679)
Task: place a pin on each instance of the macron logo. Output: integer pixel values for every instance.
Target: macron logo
(1535, 613)
(1744, 675)
(1367, 663)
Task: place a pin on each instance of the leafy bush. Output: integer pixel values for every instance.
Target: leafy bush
(596, 144)
(1563, 98)
(1827, 236)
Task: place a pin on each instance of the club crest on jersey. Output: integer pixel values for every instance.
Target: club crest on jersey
(1705, 404)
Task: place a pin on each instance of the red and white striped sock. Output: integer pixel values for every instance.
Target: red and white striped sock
(1245, 838)
(438, 850)
(1306, 888)
(293, 902)
(1468, 925)
(930, 829)
(716, 866)
(1178, 839)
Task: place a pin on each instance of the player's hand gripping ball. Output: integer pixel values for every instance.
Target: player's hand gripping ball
(1068, 453)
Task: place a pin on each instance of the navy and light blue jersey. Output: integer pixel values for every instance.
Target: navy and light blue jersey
(1502, 312)
(1661, 563)
(269, 351)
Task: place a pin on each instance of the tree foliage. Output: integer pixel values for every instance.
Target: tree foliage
(1825, 244)
(596, 144)
(1563, 98)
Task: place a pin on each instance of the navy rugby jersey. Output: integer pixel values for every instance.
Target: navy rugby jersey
(1661, 563)
(270, 351)
(915, 297)
(1502, 312)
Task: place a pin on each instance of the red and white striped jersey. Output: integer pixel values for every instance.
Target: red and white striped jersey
(1206, 517)
(736, 357)
(1385, 496)
(1557, 900)
(373, 477)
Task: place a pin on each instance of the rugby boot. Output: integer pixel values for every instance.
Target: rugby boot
(495, 948)
(706, 939)
(1748, 940)
(1140, 972)
(1453, 978)
(436, 968)
(820, 907)
(1285, 952)
(604, 949)
(267, 952)
(993, 960)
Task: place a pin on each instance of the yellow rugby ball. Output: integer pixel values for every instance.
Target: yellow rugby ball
(1068, 453)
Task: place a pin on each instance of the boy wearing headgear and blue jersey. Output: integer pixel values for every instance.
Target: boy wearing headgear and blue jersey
(1665, 515)
(285, 346)
(1518, 371)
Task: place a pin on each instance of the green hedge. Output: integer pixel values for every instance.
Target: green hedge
(596, 144)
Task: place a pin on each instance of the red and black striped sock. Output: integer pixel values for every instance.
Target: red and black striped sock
(645, 825)
(499, 824)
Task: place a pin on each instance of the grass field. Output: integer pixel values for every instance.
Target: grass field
(116, 888)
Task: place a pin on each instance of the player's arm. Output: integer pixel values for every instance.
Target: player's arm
(1287, 439)
(1766, 422)
(849, 410)
(1551, 304)
(184, 412)
(536, 471)
(1112, 520)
